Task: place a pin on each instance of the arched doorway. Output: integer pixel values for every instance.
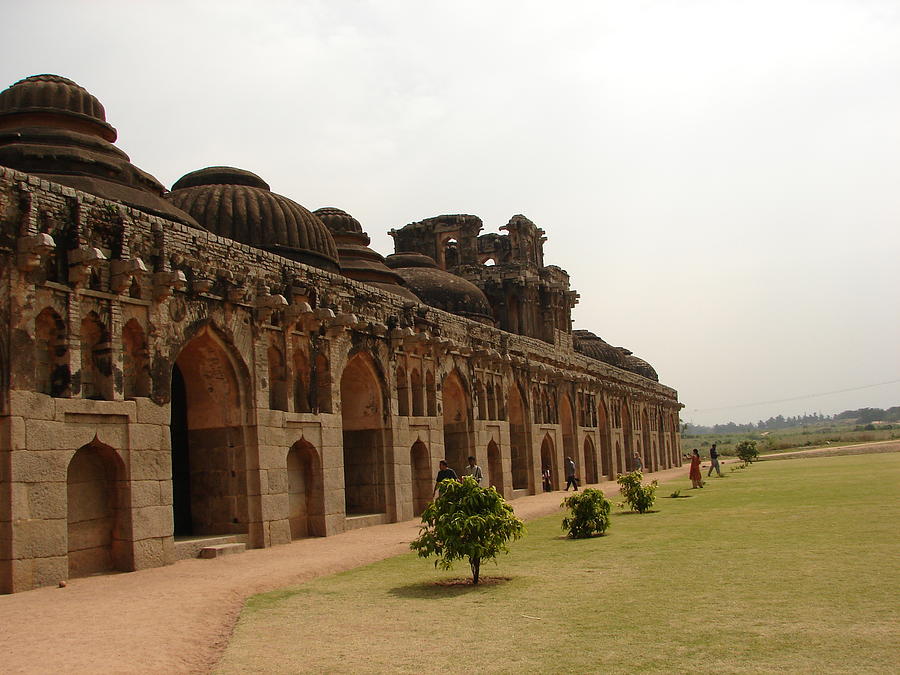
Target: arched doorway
(649, 457)
(627, 457)
(518, 438)
(495, 466)
(306, 494)
(420, 468)
(209, 463)
(364, 434)
(567, 424)
(96, 492)
(457, 409)
(606, 459)
(590, 462)
(548, 461)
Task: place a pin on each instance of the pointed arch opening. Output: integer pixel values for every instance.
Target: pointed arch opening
(301, 379)
(458, 443)
(495, 466)
(365, 437)
(491, 401)
(97, 497)
(278, 385)
(481, 396)
(518, 438)
(590, 462)
(96, 359)
(606, 459)
(402, 392)
(548, 461)
(51, 364)
(625, 459)
(420, 467)
(136, 365)
(567, 424)
(306, 493)
(322, 377)
(209, 463)
(431, 393)
(418, 394)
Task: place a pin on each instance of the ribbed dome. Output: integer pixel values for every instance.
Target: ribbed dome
(641, 367)
(589, 344)
(51, 94)
(338, 221)
(439, 288)
(358, 261)
(52, 128)
(238, 204)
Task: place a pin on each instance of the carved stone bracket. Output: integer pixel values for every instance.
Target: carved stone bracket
(81, 262)
(166, 283)
(31, 250)
(123, 271)
(267, 303)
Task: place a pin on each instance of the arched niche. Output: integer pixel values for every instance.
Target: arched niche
(590, 462)
(567, 424)
(548, 461)
(51, 363)
(495, 466)
(136, 370)
(365, 436)
(97, 512)
(306, 493)
(422, 480)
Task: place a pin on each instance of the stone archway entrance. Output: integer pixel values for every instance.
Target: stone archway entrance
(567, 424)
(606, 458)
(209, 464)
(548, 461)
(364, 435)
(590, 462)
(457, 434)
(518, 439)
(422, 481)
(306, 495)
(627, 457)
(495, 466)
(96, 497)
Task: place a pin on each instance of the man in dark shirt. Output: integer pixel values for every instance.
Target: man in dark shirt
(714, 461)
(443, 474)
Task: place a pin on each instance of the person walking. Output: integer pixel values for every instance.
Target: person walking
(636, 463)
(695, 475)
(714, 461)
(444, 473)
(474, 470)
(570, 474)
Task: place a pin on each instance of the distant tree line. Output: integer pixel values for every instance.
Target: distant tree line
(860, 416)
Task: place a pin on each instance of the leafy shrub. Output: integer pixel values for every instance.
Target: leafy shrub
(590, 513)
(747, 451)
(466, 521)
(638, 497)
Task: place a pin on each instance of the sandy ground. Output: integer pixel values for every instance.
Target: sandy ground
(179, 618)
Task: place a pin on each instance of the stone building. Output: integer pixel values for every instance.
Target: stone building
(216, 365)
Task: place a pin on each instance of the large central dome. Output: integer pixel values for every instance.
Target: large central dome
(238, 204)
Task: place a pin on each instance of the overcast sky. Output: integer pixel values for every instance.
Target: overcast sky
(720, 179)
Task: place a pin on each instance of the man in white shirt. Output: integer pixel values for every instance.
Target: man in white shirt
(474, 470)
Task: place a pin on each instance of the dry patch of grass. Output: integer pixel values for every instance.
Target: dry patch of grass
(784, 567)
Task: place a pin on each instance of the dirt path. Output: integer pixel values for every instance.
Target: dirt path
(179, 618)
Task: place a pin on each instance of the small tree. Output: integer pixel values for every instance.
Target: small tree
(747, 451)
(466, 521)
(590, 513)
(638, 497)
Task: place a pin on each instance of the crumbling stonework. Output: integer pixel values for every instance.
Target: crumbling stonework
(161, 382)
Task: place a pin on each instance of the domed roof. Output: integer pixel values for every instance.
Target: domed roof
(639, 366)
(358, 261)
(338, 221)
(42, 94)
(439, 288)
(238, 204)
(587, 343)
(53, 128)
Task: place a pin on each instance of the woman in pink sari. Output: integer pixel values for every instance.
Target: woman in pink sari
(695, 475)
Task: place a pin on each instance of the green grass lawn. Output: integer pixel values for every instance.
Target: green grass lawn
(783, 567)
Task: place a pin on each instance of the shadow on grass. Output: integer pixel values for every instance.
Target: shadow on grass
(636, 513)
(445, 588)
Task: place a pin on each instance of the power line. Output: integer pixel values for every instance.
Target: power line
(796, 398)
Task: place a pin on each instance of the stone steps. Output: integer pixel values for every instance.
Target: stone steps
(220, 550)
(364, 520)
(190, 547)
